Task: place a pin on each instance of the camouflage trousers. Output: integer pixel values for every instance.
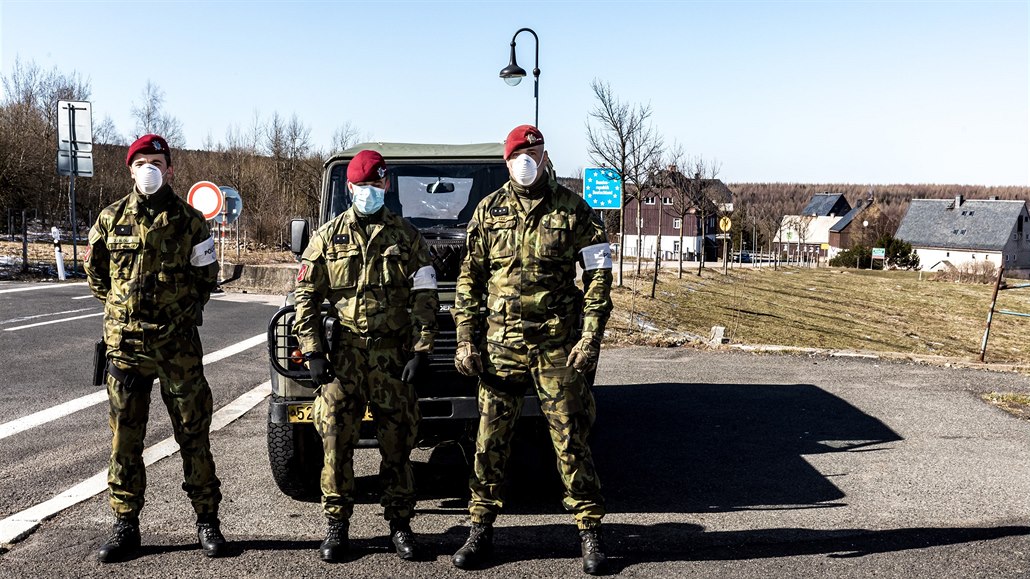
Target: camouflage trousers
(187, 396)
(568, 406)
(367, 377)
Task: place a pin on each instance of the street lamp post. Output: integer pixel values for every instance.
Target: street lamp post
(513, 73)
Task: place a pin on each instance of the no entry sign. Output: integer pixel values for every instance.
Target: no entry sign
(207, 198)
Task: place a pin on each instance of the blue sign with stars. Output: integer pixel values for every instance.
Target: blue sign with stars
(602, 188)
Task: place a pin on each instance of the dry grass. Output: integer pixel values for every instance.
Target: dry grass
(1015, 404)
(826, 308)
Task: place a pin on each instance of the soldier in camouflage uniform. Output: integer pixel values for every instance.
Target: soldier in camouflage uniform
(152, 262)
(375, 269)
(524, 242)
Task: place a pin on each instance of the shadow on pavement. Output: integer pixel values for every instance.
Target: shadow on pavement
(628, 545)
(722, 447)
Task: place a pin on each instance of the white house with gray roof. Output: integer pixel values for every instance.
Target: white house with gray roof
(956, 231)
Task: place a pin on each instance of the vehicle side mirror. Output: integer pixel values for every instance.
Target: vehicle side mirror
(298, 236)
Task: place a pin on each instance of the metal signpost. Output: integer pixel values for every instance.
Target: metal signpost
(724, 226)
(74, 153)
(232, 207)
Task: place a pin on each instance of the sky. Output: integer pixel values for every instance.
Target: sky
(874, 92)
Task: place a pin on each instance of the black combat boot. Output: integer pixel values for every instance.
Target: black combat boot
(335, 543)
(593, 551)
(403, 539)
(123, 542)
(210, 536)
(476, 548)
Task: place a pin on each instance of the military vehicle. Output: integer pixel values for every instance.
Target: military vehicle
(436, 188)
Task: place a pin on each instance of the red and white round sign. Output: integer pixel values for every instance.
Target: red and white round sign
(207, 198)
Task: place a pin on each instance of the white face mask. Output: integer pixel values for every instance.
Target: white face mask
(148, 179)
(367, 199)
(523, 170)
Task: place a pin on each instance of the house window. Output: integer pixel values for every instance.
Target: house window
(971, 213)
(666, 200)
(649, 201)
(954, 231)
(963, 232)
(677, 223)
(676, 247)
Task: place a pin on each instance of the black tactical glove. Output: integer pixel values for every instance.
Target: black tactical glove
(415, 367)
(320, 368)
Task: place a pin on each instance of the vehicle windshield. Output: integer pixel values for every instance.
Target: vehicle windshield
(429, 195)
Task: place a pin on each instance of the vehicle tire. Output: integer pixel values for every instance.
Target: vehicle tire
(295, 455)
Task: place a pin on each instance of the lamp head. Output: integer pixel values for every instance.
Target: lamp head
(513, 73)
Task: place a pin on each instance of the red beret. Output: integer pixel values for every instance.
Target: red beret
(366, 166)
(149, 145)
(522, 136)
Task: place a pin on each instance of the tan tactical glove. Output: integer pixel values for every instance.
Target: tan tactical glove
(467, 360)
(584, 354)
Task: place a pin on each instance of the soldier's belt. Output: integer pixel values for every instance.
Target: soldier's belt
(352, 340)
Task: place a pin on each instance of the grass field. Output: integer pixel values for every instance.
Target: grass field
(832, 308)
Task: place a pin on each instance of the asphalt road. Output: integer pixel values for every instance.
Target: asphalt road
(714, 464)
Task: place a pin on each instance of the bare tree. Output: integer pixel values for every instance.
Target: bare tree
(346, 136)
(694, 194)
(28, 137)
(623, 140)
(151, 117)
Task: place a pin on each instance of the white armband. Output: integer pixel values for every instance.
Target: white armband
(203, 253)
(424, 278)
(598, 256)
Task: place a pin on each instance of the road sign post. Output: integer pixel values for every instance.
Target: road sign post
(74, 154)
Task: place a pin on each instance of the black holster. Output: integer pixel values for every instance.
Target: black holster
(330, 327)
(99, 363)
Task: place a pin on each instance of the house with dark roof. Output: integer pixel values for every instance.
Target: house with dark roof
(826, 205)
(811, 234)
(663, 200)
(958, 231)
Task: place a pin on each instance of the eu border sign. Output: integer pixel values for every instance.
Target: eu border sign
(602, 188)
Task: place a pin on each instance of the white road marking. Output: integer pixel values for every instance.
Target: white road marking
(47, 315)
(83, 297)
(19, 525)
(40, 287)
(53, 322)
(61, 410)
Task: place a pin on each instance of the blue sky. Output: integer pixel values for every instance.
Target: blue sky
(840, 92)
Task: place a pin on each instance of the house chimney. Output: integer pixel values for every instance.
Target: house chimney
(958, 201)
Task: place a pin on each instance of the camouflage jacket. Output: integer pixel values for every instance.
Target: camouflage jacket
(522, 255)
(153, 265)
(379, 285)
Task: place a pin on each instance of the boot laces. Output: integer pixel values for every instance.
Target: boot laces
(477, 535)
(335, 532)
(592, 541)
(210, 532)
(122, 531)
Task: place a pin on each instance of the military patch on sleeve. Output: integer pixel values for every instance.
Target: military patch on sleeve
(123, 230)
(303, 270)
(497, 211)
(341, 238)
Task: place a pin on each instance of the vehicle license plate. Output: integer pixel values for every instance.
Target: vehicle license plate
(299, 412)
(303, 413)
